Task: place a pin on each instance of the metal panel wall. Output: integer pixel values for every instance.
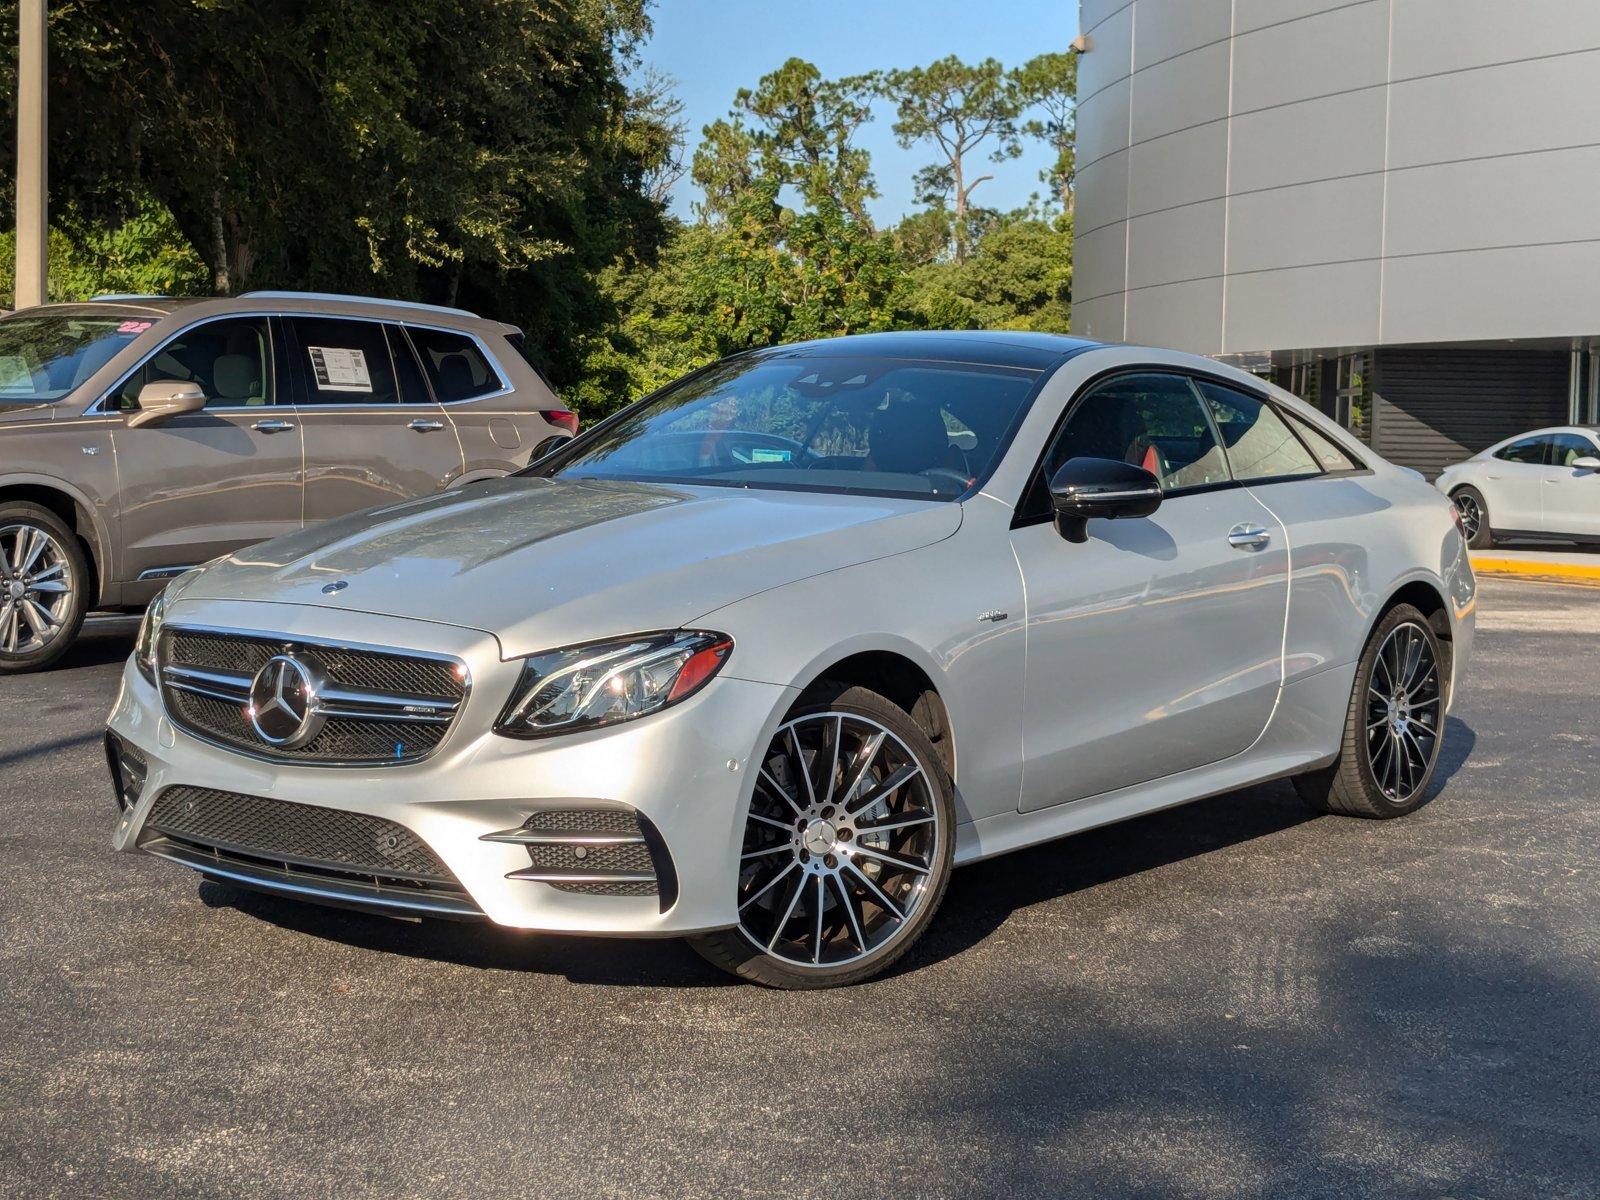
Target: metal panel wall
(1338, 172)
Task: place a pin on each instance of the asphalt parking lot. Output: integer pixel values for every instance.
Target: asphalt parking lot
(1231, 999)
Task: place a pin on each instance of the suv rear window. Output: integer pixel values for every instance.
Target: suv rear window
(454, 364)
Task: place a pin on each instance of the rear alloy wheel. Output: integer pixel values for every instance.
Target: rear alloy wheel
(1474, 517)
(42, 581)
(847, 847)
(1395, 726)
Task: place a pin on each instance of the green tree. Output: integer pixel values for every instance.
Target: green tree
(144, 255)
(1048, 86)
(479, 151)
(795, 127)
(958, 107)
(1017, 276)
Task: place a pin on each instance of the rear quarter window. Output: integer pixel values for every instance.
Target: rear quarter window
(455, 365)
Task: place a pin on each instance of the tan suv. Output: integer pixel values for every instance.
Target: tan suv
(142, 436)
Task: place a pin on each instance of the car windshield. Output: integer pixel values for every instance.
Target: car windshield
(43, 358)
(929, 430)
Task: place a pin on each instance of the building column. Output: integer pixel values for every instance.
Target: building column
(1593, 415)
(33, 217)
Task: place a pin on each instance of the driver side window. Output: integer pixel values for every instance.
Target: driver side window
(1151, 420)
(231, 360)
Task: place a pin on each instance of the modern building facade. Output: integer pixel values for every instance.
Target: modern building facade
(1391, 205)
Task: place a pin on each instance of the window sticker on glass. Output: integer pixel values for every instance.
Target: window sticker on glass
(759, 455)
(134, 326)
(339, 370)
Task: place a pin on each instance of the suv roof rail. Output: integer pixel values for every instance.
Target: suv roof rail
(438, 308)
(114, 297)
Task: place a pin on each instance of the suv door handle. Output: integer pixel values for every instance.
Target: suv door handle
(1248, 537)
(422, 426)
(273, 426)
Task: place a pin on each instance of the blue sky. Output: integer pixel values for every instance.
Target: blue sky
(715, 47)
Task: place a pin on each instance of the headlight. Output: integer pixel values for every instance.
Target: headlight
(144, 650)
(604, 683)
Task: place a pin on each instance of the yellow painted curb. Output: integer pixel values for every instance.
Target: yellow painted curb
(1536, 568)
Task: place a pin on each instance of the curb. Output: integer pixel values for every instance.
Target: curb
(1537, 568)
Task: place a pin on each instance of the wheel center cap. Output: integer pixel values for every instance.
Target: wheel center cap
(819, 836)
(16, 589)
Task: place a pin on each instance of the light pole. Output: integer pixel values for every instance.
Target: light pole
(33, 217)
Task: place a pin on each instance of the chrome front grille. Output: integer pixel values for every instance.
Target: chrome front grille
(373, 707)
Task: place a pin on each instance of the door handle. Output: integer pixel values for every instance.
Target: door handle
(1248, 537)
(422, 426)
(273, 426)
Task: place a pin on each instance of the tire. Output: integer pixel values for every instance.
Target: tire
(872, 861)
(44, 586)
(1469, 500)
(1389, 751)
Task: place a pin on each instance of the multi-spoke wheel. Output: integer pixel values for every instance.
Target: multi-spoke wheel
(846, 848)
(1403, 711)
(42, 576)
(1395, 726)
(1474, 512)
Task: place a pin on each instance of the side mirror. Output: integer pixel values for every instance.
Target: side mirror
(1587, 463)
(1100, 487)
(547, 446)
(164, 398)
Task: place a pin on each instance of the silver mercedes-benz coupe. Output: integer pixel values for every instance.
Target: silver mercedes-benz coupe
(764, 656)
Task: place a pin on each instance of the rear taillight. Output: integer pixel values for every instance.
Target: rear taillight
(562, 419)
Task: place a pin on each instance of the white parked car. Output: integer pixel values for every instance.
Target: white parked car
(760, 659)
(1544, 484)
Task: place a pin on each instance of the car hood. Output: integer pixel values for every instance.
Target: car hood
(543, 563)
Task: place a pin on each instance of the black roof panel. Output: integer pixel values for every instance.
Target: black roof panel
(999, 348)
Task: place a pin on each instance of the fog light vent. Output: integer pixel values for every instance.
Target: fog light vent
(128, 770)
(595, 852)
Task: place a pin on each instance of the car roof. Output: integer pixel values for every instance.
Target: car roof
(998, 348)
(1589, 430)
(276, 301)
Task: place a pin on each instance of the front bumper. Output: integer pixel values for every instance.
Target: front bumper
(685, 770)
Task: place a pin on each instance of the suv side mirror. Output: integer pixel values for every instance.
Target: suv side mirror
(1587, 463)
(164, 398)
(1100, 487)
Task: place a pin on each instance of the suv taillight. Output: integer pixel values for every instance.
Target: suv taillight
(562, 419)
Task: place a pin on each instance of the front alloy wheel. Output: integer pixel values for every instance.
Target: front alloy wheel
(41, 583)
(846, 848)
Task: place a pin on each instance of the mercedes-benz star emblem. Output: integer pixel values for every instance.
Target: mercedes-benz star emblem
(284, 706)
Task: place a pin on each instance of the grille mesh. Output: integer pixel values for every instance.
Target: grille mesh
(630, 857)
(342, 739)
(421, 677)
(345, 739)
(580, 820)
(298, 833)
